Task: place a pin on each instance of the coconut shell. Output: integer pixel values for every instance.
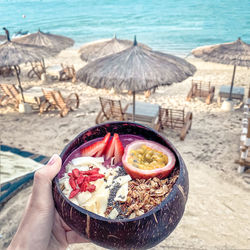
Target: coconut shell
(144, 231)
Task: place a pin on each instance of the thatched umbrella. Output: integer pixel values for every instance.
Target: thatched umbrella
(51, 41)
(13, 54)
(98, 49)
(135, 69)
(235, 53)
(54, 42)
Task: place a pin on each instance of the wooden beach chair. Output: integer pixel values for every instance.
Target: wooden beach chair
(110, 110)
(67, 73)
(10, 95)
(174, 119)
(201, 89)
(38, 68)
(55, 100)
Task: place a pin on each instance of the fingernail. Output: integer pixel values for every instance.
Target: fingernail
(53, 159)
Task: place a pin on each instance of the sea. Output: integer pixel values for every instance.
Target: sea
(171, 26)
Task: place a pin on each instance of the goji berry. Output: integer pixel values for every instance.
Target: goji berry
(84, 187)
(80, 180)
(95, 169)
(91, 188)
(87, 179)
(95, 177)
(74, 193)
(90, 172)
(76, 172)
(72, 183)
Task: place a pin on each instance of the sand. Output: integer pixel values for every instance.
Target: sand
(217, 214)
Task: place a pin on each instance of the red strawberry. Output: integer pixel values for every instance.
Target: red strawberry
(119, 149)
(110, 149)
(96, 148)
(105, 142)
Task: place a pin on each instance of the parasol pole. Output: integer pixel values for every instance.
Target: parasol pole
(232, 84)
(133, 116)
(19, 82)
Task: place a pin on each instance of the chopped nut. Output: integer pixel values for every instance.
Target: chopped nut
(144, 195)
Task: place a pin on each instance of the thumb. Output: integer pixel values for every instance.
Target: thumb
(50, 170)
(43, 180)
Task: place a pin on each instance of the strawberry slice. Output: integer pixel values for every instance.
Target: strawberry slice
(97, 148)
(105, 142)
(110, 149)
(119, 150)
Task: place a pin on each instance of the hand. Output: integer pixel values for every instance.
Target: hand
(41, 226)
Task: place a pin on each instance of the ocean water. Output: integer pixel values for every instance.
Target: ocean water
(172, 26)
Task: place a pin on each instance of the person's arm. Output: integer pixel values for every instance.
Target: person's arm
(41, 226)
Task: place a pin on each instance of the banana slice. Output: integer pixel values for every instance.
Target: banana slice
(74, 200)
(123, 179)
(83, 197)
(113, 214)
(122, 193)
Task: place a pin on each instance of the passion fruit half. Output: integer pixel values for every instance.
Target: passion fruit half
(145, 159)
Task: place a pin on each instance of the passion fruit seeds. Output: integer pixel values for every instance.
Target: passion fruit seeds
(145, 157)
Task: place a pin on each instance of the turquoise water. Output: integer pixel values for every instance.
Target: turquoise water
(174, 26)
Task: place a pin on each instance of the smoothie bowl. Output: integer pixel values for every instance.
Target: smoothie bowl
(122, 186)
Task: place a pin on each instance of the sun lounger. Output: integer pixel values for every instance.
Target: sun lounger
(10, 95)
(38, 68)
(55, 100)
(201, 89)
(174, 119)
(67, 73)
(110, 110)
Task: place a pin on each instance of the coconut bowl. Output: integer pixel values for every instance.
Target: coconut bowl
(144, 231)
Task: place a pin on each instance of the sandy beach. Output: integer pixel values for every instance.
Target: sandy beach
(217, 214)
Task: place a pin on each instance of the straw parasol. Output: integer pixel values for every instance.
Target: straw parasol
(13, 54)
(235, 53)
(98, 49)
(135, 69)
(51, 41)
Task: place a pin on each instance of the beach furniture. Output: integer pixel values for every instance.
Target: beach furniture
(237, 93)
(38, 68)
(34, 96)
(174, 119)
(244, 159)
(10, 95)
(55, 100)
(144, 112)
(110, 110)
(67, 73)
(201, 89)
